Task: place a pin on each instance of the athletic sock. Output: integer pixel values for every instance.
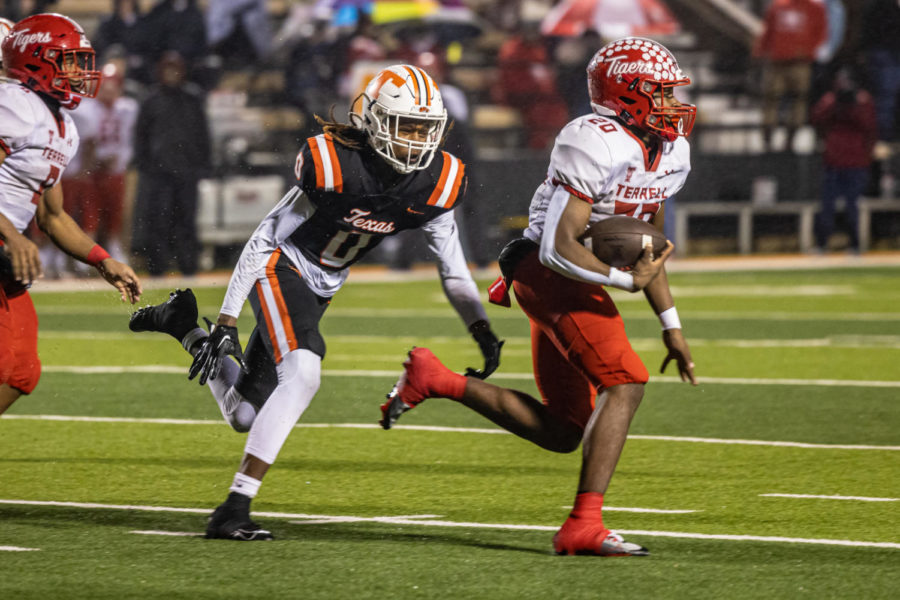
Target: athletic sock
(192, 339)
(452, 385)
(244, 486)
(588, 507)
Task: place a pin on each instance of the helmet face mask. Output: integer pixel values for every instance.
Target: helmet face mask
(635, 78)
(50, 54)
(403, 116)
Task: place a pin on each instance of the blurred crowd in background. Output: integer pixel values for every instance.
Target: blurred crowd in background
(196, 91)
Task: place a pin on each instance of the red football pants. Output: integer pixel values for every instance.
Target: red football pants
(578, 341)
(21, 367)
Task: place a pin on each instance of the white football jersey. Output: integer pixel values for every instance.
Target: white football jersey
(598, 160)
(38, 148)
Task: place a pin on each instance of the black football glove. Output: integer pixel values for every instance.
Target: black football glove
(490, 349)
(222, 341)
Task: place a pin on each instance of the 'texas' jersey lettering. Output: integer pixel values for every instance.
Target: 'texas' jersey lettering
(355, 209)
(357, 219)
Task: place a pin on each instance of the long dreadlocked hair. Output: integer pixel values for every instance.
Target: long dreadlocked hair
(351, 136)
(343, 133)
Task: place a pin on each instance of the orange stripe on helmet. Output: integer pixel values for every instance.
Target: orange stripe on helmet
(415, 84)
(425, 79)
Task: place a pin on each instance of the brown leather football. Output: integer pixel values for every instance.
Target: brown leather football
(618, 240)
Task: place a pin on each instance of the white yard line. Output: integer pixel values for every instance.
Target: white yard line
(112, 370)
(442, 429)
(818, 497)
(16, 549)
(654, 511)
(167, 533)
(639, 343)
(780, 444)
(314, 519)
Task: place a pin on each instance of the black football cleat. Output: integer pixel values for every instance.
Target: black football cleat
(230, 523)
(394, 407)
(176, 316)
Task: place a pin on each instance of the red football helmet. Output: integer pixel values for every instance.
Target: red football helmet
(630, 77)
(50, 54)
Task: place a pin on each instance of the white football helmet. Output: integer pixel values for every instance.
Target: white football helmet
(401, 94)
(5, 26)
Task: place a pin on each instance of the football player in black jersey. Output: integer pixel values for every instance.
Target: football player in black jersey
(357, 183)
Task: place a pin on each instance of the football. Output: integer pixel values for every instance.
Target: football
(618, 240)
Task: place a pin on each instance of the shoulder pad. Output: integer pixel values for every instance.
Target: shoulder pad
(450, 183)
(325, 164)
(17, 117)
(581, 159)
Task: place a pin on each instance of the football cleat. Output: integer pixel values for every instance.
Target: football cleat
(395, 406)
(230, 523)
(409, 391)
(586, 539)
(176, 316)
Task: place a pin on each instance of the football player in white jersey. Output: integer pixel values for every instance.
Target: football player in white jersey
(625, 158)
(50, 64)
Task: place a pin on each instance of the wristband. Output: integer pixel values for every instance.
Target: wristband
(669, 319)
(621, 279)
(96, 255)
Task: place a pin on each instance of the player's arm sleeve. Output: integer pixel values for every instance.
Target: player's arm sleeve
(581, 177)
(459, 287)
(293, 209)
(551, 258)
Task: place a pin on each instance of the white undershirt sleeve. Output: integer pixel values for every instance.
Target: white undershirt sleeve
(551, 259)
(459, 287)
(293, 209)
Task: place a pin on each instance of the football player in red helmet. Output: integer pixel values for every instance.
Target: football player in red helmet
(50, 54)
(625, 158)
(636, 80)
(50, 64)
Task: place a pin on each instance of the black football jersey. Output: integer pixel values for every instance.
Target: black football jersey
(359, 199)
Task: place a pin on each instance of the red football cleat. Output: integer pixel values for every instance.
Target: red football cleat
(593, 539)
(424, 376)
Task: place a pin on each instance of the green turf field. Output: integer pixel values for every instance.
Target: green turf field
(776, 477)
